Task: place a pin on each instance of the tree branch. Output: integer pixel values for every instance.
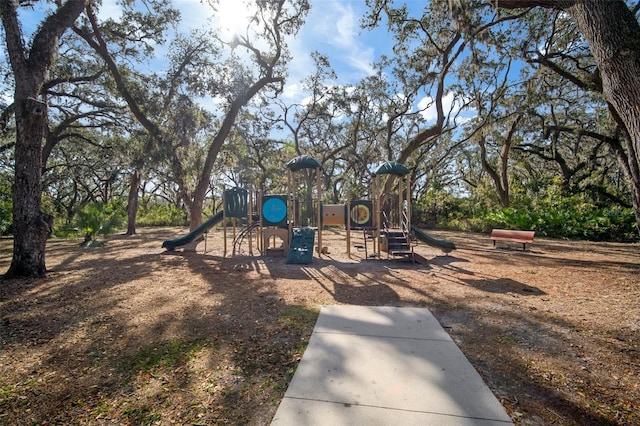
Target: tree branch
(521, 4)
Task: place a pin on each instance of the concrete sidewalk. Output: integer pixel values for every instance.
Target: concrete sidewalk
(385, 366)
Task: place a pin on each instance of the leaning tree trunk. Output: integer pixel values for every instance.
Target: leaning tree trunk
(132, 202)
(195, 214)
(31, 226)
(499, 177)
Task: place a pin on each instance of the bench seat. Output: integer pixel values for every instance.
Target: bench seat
(513, 236)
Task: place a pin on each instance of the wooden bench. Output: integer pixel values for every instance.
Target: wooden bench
(513, 236)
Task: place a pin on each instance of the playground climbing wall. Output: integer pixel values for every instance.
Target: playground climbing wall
(301, 246)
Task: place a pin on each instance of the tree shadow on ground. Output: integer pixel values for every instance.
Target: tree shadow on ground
(503, 285)
(123, 334)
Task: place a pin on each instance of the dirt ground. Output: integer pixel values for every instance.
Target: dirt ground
(130, 334)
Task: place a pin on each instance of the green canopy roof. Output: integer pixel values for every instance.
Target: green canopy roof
(392, 168)
(303, 162)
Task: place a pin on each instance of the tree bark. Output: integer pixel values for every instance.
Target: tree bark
(132, 202)
(30, 68)
(499, 177)
(613, 34)
(31, 227)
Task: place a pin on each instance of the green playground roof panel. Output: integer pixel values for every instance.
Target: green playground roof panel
(392, 168)
(303, 162)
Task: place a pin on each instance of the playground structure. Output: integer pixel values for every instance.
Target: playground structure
(394, 212)
(236, 204)
(287, 224)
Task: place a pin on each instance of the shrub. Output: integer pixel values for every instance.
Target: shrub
(6, 219)
(569, 217)
(161, 215)
(553, 214)
(100, 219)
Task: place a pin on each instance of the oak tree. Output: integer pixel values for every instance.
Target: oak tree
(31, 64)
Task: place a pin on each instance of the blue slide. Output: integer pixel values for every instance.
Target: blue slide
(172, 244)
(444, 245)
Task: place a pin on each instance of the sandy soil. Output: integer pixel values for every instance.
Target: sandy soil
(130, 334)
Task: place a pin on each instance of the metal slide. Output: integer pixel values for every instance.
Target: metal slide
(186, 239)
(444, 245)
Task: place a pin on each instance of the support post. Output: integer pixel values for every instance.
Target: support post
(250, 220)
(348, 225)
(261, 247)
(224, 220)
(400, 199)
(291, 207)
(319, 195)
(378, 212)
(409, 203)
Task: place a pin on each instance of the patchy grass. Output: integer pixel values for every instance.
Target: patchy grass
(129, 334)
(159, 356)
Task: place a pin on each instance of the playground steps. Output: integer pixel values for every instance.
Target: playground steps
(398, 244)
(301, 246)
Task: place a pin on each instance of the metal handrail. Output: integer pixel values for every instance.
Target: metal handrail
(385, 222)
(406, 227)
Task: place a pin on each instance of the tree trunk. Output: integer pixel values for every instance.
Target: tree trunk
(613, 34)
(30, 69)
(132, 202)
(197, 200)
(629, 166)
(499, 177)
(195, 214)
(31, 226)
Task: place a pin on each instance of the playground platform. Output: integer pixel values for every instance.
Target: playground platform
(382, 366)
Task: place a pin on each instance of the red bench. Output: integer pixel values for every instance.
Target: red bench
(513, 236)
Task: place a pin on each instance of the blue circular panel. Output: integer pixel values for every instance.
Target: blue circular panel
(274, 210)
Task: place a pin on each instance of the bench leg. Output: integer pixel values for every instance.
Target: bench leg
(524, 246)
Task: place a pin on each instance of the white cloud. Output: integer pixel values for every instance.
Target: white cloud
(195, 14)
(345, 35)
(363, 61)
(334, 29)
(292, 92)
(430, 114)
(450, 105)
(110, 9)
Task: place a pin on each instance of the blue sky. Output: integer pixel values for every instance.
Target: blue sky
(332, 28)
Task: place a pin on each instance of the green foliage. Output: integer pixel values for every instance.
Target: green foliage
(441, 209)
(6, 204)
(6, 216)
(161, 215)
(100, 219)
(553, 214)
(65, 231)
(572, 217)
